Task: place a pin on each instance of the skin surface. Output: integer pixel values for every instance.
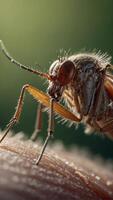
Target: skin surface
(60, 174)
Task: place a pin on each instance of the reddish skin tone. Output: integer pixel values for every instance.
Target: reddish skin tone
(55, 178)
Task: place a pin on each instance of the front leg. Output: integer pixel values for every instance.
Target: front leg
(17, 113)
(46, 101)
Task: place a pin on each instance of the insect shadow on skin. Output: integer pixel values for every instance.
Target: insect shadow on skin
(84, 82)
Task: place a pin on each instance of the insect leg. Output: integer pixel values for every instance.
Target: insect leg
(17, 113)
(44, 99)
(38, 124)
(50, 131)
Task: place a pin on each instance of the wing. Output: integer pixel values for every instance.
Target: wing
(45, 100)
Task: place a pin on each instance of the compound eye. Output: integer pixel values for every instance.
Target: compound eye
(66, 72)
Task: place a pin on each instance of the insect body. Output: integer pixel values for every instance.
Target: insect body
(86, 85)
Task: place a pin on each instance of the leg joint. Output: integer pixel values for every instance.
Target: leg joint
(25, 86)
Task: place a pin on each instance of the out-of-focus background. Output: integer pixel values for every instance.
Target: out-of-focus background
(34, 32)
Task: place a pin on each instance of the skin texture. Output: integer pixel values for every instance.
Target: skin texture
(60, 174)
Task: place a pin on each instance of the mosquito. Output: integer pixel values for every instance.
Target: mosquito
(84, 81)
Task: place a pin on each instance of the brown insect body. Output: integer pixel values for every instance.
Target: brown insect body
(86, 85)
(86, 94)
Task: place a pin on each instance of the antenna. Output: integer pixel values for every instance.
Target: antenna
(28, 68)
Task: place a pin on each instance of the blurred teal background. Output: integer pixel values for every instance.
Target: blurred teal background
(34, 32)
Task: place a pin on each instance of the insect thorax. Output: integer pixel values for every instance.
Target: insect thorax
(87, 83)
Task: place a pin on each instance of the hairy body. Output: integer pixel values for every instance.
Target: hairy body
(85, 83)
(87, 94)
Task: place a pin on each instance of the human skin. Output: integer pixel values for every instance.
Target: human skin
(59, 175)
